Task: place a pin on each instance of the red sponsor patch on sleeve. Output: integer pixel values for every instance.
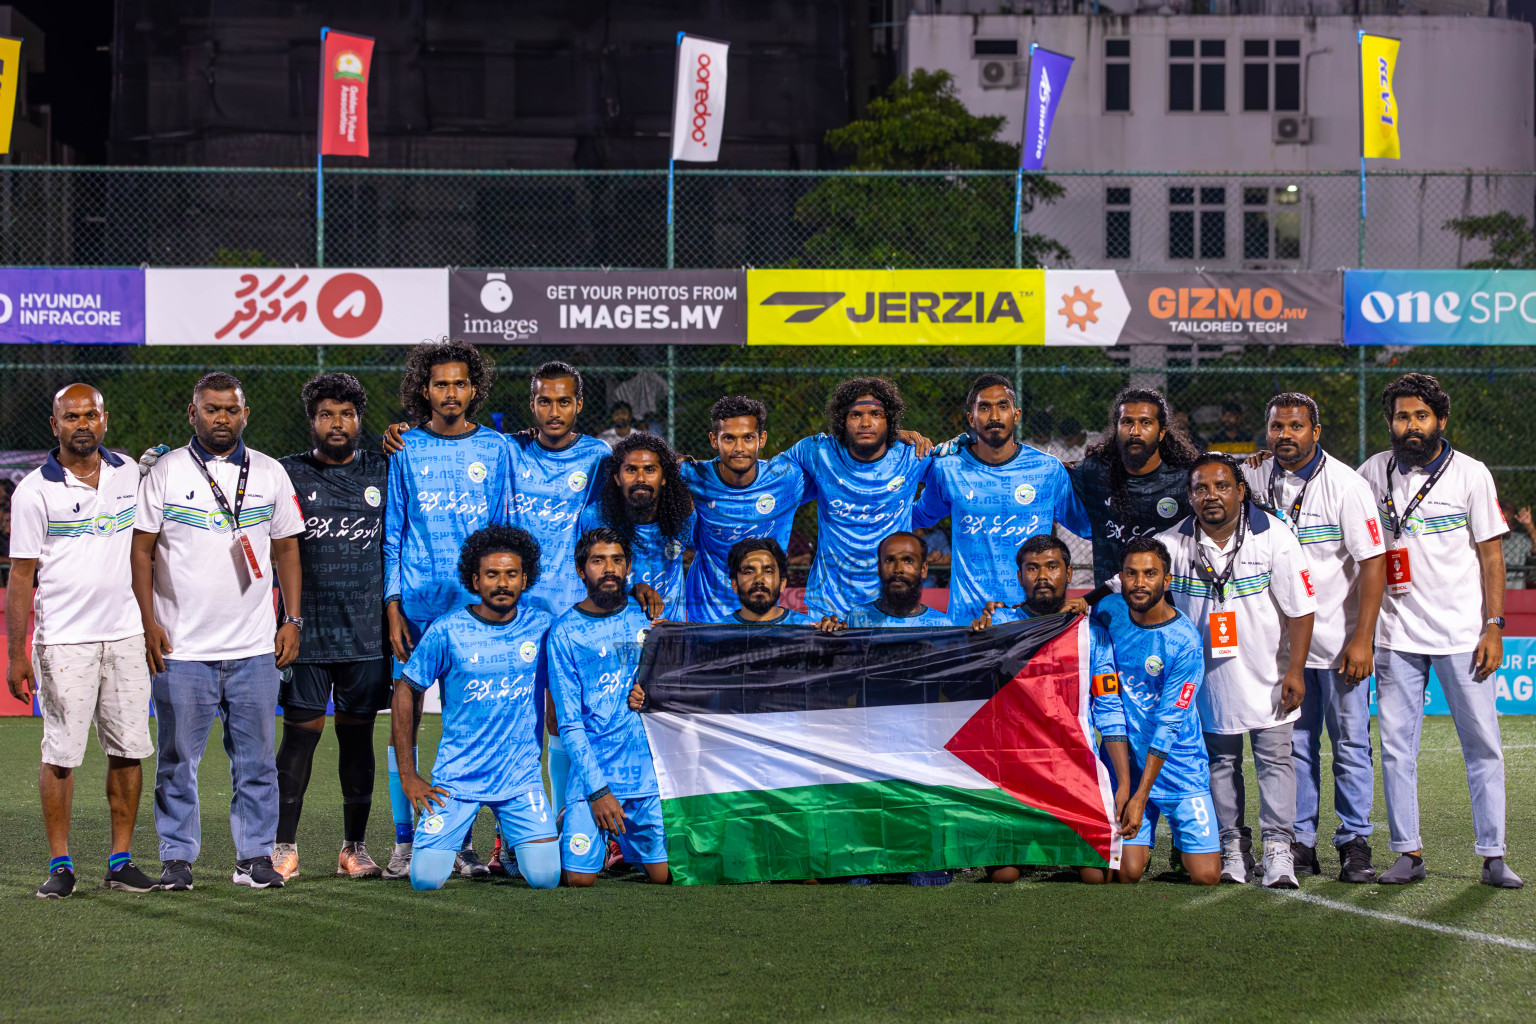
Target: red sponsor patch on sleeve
(1375, 528)
(298, 506)
(1106, 684)
(1306, 581)
(1185, 696)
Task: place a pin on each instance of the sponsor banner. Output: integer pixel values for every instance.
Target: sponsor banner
(1378, 100)
(698, 113)
(1514, 682)
(895, 307)
(1106, 307)
(595, 307)
(294, 306)
(64, 306)
(344, 68)
(1440, 307)
(1048, 73)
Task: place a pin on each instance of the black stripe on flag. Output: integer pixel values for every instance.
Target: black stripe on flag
(735, 670)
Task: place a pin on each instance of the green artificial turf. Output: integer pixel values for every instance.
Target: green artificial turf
(1044, 948)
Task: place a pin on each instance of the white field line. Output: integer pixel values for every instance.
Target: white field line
(1454, 750)
(1412, 922)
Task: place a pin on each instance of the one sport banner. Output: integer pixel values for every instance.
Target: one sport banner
(784, 753)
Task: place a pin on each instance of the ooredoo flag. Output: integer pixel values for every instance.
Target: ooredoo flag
(344, 63)
(782, 753)
(699, 110)
(1048, 72)
(1378, 101)
(10, 75)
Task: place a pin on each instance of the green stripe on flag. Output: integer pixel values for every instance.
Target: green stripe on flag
(859, 828)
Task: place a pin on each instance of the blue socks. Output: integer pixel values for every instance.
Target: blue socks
(540, 863)
(399, 806)
(559, 772)
(117, 860)
(61, 862)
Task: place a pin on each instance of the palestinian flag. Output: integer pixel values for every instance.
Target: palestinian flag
(785, 754)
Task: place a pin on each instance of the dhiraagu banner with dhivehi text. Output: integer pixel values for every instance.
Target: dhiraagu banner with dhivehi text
(896, 307)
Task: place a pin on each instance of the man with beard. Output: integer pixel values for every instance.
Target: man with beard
(1159, 672)
(1134, 481)
(488, 658)
(212, 518)
(1331, 512)
(1241, 577)
(757, 569)
(998, 493)
(342, 657)
(593, 653)
(1444, 610)
(902, 562)
(644, 500)
(71, 533)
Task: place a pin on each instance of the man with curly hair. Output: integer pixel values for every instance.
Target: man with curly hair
(646, 502)
(489, 659)
(450, 478)
(342, 657)
(866, 478)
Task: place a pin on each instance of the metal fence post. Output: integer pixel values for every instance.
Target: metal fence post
(1360, 411)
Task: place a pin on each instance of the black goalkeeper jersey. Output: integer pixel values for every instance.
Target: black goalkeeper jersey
(1156, 500)
(342, 554)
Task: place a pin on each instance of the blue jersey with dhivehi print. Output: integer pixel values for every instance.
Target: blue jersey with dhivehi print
(858, 504)
(493, 684)
(993, 510)
(551, 490)
(1105, 709)
(764, 508)
(441, 490)
(592, 663)
(789, 618)
(1161, 669)
(657, 560)
(871, 616)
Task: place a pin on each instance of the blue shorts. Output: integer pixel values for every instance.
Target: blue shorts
(524, 818)
(1191, 816)
(643, 841)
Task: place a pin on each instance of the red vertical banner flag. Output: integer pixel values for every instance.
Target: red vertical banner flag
(344, 63)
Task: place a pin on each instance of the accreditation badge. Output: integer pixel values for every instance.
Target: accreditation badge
(1399, 572)
(1223, 634)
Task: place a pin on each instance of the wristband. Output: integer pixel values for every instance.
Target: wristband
(594, 797)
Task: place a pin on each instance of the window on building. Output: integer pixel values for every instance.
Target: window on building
(1272, 74)
(1117, 75)
(1117, 223)
(1197, 222)
(994, 47)
(1272, 222)
(1197, 75)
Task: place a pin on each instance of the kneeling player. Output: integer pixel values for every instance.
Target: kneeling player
(594, 651)
(487, 658)
(1161, 666)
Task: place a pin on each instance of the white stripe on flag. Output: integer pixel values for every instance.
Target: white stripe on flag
(700, 754)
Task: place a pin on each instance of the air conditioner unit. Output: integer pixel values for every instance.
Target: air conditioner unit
(1295, 129)
(999, 74)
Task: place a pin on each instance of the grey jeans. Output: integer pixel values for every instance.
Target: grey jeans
(1277, 783)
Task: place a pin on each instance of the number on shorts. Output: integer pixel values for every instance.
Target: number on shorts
(1202, 816)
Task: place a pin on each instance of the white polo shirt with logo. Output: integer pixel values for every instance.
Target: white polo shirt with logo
(208, 601)
(82, 538)
(1338, 529)
(1442, 611)
(1270, 582)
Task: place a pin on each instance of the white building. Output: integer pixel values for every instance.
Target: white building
(1272, 97)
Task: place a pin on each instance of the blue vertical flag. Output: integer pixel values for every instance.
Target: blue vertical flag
(1047, 77)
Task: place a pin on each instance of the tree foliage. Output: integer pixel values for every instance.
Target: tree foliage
(1511, 241)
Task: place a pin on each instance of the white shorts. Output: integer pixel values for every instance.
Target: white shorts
(107, 683)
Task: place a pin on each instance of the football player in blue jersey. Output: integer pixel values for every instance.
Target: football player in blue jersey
(758, 569)
(593, 653)
(643, 499)
(450, 478)
(866, 479)
(1160, 664)
(902, 562)
(997, 493)
(487, 658)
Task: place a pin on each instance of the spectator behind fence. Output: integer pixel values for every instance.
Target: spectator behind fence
(1071, 440)
(620, 423)
(938, 555)
(1232, 437)
(1037, 430)
(1182, 422)
(1519, 546)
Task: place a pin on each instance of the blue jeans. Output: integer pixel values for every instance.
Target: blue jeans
(1400, 682)
(188, 694)
(1346, 712)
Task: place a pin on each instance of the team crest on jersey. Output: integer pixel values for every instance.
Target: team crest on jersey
(1153, 665)
(372, 496)
(104, 525)
(1167, 508)
(765, 504)
(640, 636)
(432, 824)
(895, 484)
(673, 550)
(1024, 493)
(577, 480)
(528, 650)
(1414, 525)
(477, 471)
(218, 522)
(579, 843)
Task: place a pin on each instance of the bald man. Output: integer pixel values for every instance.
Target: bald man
(71, 534)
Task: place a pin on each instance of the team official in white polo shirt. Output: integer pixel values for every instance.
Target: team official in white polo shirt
(1329, 510)
(217, 518)
(1444, 610)
(1241, 577)
(71, 529)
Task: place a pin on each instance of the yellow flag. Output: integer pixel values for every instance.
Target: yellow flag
(10, 74)
(1378, 103)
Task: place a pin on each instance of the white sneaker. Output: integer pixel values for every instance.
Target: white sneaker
(1279, 866)
(1233, 869)
(399, 862)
